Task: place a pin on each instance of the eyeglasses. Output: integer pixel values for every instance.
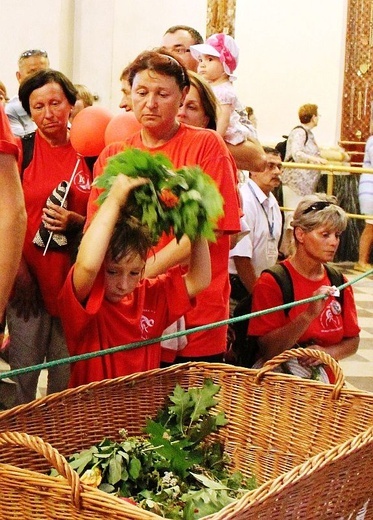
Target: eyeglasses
(34, 52)
(317, 206)
(179, 50)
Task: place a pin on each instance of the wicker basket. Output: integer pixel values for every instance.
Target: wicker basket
(310, 445)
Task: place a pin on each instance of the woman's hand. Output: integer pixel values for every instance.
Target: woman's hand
(60, 220)
(315, 159)
(314, 308)
(309, 362)
(123, 185)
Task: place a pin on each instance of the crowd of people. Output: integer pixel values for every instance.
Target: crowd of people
(83, 277)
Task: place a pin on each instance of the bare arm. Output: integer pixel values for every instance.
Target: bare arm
(198, 276)
(249, 155)
(172, 254)
(341, 350)
(245, 271)
(96, 239)
(283, 338)
(223, 118)
(12, 225)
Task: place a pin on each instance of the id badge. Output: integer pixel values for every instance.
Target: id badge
(272, 249)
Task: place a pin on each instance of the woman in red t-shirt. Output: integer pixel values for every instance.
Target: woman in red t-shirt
(159, 86)
(51, 235)
(323, 324)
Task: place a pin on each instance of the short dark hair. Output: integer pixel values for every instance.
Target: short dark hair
(41, 78)
(129, 237)
(162, 62)
(193, 32)
(272, 151)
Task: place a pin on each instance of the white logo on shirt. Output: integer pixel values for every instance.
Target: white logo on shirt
(145, 325)
(81, 181)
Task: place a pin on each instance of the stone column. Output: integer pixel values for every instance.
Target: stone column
(221, 17)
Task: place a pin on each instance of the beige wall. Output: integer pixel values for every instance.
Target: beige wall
(291, 51)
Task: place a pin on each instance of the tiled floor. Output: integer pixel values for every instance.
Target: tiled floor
(358, 369)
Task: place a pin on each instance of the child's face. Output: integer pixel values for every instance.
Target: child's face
(121, 278)
(210, 67)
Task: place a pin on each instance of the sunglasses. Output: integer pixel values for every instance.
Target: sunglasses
(34, 52)
(317, 206)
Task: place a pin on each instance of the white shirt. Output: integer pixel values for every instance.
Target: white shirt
(263, 217)
(20, 122)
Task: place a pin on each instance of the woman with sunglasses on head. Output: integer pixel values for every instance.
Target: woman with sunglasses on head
(326, 324)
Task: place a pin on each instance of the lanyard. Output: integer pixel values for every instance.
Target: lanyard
(270, 225)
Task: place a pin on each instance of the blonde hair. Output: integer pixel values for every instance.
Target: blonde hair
(84, 94)
(318, 210)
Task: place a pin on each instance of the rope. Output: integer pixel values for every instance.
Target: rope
(138, 344)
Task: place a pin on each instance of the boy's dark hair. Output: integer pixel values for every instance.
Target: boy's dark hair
(193, 32)
(129, 236)
(41, 78)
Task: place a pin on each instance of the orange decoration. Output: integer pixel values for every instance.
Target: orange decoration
(121, 127)
(87, 133)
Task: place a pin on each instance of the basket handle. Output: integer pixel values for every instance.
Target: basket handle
(57, 460)
(306, 352)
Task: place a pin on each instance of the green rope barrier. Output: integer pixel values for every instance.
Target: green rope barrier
(138, 344)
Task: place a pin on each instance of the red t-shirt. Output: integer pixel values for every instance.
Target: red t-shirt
(190, 147)
(144, 314)
(9, 144)
(327, 329)
(50, 166)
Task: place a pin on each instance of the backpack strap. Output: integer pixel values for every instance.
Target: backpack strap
(28, 143)
(282, 276)
(305, 131)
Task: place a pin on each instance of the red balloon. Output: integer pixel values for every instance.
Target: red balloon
(120, 127)
(87, 133)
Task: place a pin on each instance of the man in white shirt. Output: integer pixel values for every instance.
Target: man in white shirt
(29, 62)
(258, 249)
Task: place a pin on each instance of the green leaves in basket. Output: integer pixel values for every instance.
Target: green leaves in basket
(185, 201)
(177, 471)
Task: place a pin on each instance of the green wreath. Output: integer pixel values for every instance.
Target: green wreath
(186, 201)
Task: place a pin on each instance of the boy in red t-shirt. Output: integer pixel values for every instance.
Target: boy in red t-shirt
(106, 303)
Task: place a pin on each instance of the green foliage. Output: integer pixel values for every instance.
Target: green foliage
(175, 471)
(198, 203)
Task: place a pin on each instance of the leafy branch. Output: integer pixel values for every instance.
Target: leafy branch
(186, 201)
(174, 470)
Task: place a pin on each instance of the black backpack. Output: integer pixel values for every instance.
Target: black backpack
(245, 348)
(281, 146)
